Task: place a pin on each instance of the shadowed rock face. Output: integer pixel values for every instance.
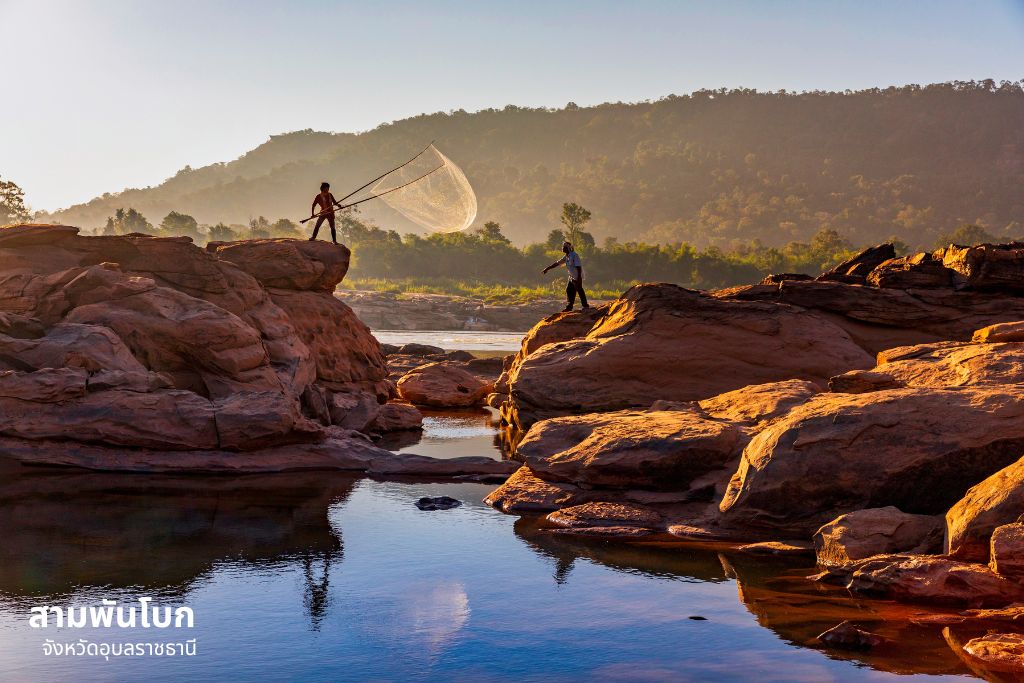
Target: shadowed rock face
(153, 343)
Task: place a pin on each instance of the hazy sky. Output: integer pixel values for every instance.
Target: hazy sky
(103, 95)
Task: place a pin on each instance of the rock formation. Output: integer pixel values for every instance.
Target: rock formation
(135, 352)
(707, 416)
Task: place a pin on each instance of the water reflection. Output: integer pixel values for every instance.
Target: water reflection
(411, 594)
(775, 591)
(452, 434)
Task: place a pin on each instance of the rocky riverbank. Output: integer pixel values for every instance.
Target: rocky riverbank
(874, 415)
(151, 354)
(414, 311)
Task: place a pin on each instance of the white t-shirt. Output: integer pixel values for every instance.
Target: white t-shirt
(572, 262)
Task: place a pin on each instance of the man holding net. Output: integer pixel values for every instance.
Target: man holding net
(326, 202)
(574, 265)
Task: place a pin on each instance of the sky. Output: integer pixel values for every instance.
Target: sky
(100, 95)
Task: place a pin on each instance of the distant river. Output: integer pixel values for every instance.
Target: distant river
(454, 340)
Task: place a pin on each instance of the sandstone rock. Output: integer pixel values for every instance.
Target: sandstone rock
(20, 326)
(954, 364)
(1007, 551)
(777, 548)
(414, 349)
(524, 492)
(876, 531)
(987, 266)
(355, 410)
(878, 319)
(396, 417)
(288, 263)
(856, 269)
(625, 449)
(98, 329)
(911, 272)
(170, 331)
(343, 349)
(996, 501)
(48, 385)
(494, 400)
(926, 578)
(601, 514)
(248, 420)
(759, 402)
(916, 449)
(172, 420)
(666, 342)
(1001, 332)
(861, 382)
(89, 347)
(342, 450)
(442, 385)
(776, 278)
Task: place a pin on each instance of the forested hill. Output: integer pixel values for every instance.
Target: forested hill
(711, 168)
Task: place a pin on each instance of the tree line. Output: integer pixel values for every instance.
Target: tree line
(711, 168)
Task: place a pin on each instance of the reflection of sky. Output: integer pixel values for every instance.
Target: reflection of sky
(457, 594)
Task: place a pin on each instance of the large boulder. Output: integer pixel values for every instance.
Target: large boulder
(630, 449)
(666, 342)
(140, 343)
(987, 266)
(759, 403)
(1007, 551)
(288, 263)
(996, 501)
(916, 449)
(912, 272)
(876, 531)
(443, 385)
(856, 269)
(953, 364)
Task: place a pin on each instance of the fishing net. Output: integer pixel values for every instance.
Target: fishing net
(436, 194)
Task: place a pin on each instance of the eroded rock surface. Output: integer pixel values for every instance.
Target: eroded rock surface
(876, 531)
(996, 501)
(443, 385)
(669, 343)
(148, 344)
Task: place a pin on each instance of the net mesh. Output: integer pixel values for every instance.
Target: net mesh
(441, 200)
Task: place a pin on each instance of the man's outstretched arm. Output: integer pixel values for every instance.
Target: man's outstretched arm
(554, 265)
(312, 212)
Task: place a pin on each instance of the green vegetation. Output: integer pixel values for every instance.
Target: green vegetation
(12, 203)
(719, 168)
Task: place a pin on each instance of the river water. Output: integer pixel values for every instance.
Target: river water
(328, 577)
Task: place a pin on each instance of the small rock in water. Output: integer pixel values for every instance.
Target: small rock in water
(439, 503)
(698, 618)
(849, 637)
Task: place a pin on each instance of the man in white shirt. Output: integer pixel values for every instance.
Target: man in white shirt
(575, 285)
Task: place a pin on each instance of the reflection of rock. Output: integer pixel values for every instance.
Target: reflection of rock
(926, 578)
(994, 657)
(89, 529)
